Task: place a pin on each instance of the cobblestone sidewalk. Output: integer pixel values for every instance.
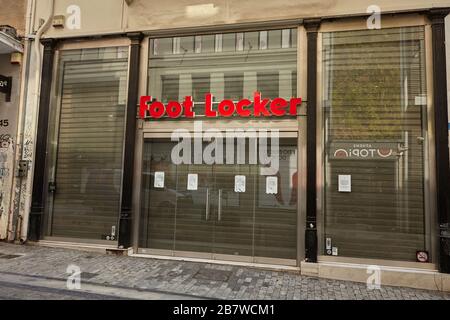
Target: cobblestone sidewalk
(189, 278)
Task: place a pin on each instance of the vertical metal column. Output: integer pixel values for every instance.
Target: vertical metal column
(37, 198)
(126, 213)
(437, 17)
(312, 27)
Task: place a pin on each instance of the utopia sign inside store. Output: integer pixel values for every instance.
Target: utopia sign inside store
(362, 151)
(259, 107)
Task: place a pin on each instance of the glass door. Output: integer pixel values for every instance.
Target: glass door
(234, 199)
(159, 201)
(219, 211)
(194, 217)
(177, 209)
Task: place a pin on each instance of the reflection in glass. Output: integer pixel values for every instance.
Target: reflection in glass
(227, 65)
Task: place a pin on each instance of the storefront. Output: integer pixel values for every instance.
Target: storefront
(278, 143)
(210, 218)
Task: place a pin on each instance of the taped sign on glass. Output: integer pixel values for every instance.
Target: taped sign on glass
(192, 183)
(345, 183)
(271, 185)
(239, 183)
(334, 251)
(159, 179)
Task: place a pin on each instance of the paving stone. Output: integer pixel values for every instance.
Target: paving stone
(199, 279)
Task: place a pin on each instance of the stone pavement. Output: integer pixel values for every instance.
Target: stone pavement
(157, 278)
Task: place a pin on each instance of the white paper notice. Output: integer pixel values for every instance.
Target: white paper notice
(192, 183)
(271, 185)
(159, 179)
(239, 183)
(345, 183)
(334, 251)
(420, 100)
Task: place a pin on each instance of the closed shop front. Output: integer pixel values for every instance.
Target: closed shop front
(215, 218)
(215, 202)
(283, 143)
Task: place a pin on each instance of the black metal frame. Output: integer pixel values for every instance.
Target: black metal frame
(38, 195)
(126, 210)
(437, 17)
(312, 27)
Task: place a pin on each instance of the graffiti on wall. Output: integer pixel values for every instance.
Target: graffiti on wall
(6, 157)
(5, 143)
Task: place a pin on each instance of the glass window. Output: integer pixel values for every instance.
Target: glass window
(162, 46)
(207, 43)
(187, 45)
(263, 39)
(170, 87)
(234, 86)
(229, 65)
(265, 83)
(275, 39)
(374, 107)
(229, 42)
(251, 41)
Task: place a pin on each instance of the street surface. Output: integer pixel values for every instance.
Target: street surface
(37, 272)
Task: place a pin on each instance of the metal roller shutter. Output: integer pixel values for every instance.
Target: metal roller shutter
(375, 118)
(90, 142)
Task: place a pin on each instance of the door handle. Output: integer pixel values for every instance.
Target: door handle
(207, 205)
(219, 205)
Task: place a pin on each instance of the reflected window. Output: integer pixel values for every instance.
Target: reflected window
(228, 65)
